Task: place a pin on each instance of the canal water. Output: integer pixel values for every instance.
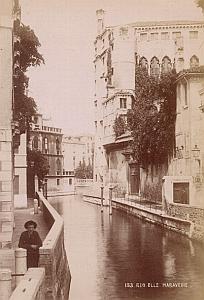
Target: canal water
(122, 257)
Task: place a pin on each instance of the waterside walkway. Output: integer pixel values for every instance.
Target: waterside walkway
(24, 214)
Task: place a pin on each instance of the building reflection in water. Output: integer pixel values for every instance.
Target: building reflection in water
(105, 252)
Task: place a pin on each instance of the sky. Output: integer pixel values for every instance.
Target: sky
(64, 87)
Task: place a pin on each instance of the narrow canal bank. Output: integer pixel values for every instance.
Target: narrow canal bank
(109, 254)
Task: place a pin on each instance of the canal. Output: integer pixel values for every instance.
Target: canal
(122, 257)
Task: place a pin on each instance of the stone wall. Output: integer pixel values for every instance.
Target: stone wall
(193, 214)
(185, 212)
(153, 216)
(53, 255)
(32, 286)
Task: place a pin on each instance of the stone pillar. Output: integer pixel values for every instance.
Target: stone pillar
(35, 203)
(5, 284)
(36, 183)
(127, 155)
(110, 199)
(102, 188)
(20, 263)
(6, 157)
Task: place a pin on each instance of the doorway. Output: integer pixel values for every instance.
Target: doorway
(134, 179)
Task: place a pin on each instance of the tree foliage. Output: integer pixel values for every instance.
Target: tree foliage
(200, 3)
(84, 171)
(119, 126)
(38, 162)
(25, 55)
(152, 117)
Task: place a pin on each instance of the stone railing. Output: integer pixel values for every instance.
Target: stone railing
(53, 255)
(82, 182)
(31, 286)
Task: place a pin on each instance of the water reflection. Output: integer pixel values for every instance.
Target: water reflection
(105, 252)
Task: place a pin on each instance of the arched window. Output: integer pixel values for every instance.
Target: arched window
(154, 67)
(166, 65)
(143, 63)
(35, 143)
(58, 166)
(57, 146)
(45, 145)
(194, 61)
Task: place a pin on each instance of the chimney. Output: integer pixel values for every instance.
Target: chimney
(100, 14)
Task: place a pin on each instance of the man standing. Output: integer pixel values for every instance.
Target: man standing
(31, 241)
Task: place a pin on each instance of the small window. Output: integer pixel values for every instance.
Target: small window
(58, 181)
(181, 192)
(165, 35)
(154, 36)
(123, 103)
(193, 34)
(143, 37)
(70, 181)
(176, 35)
(112, 71)
(185, 94)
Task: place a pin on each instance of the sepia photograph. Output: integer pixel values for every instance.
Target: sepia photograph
(101, 149)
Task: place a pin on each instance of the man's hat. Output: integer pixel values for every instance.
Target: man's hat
(31, 222)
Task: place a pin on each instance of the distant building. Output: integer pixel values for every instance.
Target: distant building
(20, 173)
(157, 46)
(48, 140)
(77, 149)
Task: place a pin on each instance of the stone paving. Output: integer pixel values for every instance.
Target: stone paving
(23, 215)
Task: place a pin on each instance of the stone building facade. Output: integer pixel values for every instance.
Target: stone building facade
(160, 47)
(6, 157)
(48, 140)
(77, 149)
(20, 173)
(184, 184)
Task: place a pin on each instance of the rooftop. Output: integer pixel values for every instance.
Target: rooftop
(161, 23)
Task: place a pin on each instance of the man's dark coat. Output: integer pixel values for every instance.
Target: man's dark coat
(26, 240)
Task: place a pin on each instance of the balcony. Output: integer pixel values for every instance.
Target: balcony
(112, 140)
(108, 140)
